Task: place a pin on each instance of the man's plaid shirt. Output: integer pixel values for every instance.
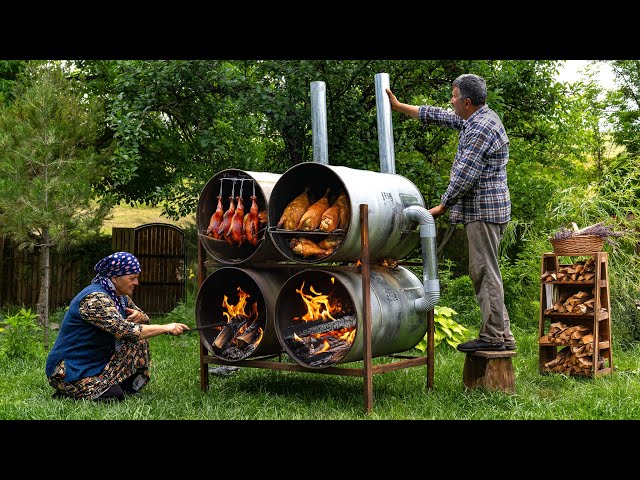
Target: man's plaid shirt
(478, 181)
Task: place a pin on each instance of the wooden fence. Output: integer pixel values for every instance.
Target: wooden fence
(159, 247)
(20, 276)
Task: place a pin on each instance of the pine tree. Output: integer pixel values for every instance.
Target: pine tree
(48, 164)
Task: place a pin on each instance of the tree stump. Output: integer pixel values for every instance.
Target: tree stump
(490, 370)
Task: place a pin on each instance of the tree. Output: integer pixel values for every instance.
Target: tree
(625, 115)
(175, 123)
(47, 166)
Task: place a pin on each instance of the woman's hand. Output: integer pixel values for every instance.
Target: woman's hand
(136, 316)
(176, 328)
(153, 330)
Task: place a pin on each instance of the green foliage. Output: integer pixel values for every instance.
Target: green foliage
(47, 160)
(458, 292)
(624, 113)
(173, 124)
(17, 339)
(446, 328)
(9, 70)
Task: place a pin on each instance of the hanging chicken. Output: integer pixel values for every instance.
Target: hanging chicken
(252, 222)
(236, 230)
(216, 220)
(294, 210)
(226, 222)
(313, 216)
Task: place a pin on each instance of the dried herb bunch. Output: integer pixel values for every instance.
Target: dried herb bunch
(599, 230)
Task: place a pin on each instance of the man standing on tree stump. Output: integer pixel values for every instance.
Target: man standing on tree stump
(477, 196)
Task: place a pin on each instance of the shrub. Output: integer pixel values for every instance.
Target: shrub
(446, 328)
(18, 337)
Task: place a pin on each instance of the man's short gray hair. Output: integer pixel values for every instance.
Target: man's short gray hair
(472, 87)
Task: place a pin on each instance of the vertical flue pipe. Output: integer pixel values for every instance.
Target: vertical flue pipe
(319, 122)
(385, 125)
(414, 212)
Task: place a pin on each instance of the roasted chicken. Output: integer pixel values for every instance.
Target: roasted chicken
(252, 222)
(313, 216)
(308, 248)
(345, 210)
(330, 242)
(236, 230)
(216, 220)
(330, 218)
(294, 210)
(262, 215)
(226, 222)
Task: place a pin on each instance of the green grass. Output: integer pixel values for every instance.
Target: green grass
(174, 392)
(126, 216)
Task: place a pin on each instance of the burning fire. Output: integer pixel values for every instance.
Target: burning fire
(238, 308)
(242, 333)
(319, 306)
(325, 333)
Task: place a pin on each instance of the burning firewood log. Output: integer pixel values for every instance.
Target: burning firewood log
(237, 340)
(304, 329)
(320, 351)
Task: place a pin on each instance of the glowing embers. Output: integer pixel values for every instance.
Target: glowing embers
(242, 333)
(325, 332)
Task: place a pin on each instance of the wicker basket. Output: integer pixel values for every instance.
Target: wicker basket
(578, 245)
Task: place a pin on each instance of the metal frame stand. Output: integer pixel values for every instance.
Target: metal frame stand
(274, 362)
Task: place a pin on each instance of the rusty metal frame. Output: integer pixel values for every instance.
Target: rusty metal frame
(274, 362)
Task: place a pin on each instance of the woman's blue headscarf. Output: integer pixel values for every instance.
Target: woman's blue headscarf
(115, 265)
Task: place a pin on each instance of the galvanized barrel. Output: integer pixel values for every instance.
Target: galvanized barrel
(391, 235)
(229, 184)
(239, 297)
(320, 314)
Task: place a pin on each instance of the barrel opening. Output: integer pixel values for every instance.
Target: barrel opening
(232, 304)
(300, 244)
(316, 320)
(226, 192)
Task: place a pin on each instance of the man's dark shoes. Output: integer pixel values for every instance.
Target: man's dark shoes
(477, 344)
(510, 346)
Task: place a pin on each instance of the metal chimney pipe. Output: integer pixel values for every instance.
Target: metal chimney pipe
(385, 125)
(413, 212)
(319, 122)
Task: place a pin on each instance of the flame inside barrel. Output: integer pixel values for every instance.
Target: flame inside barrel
(319, 312)
(241, 300)
(325, 332)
